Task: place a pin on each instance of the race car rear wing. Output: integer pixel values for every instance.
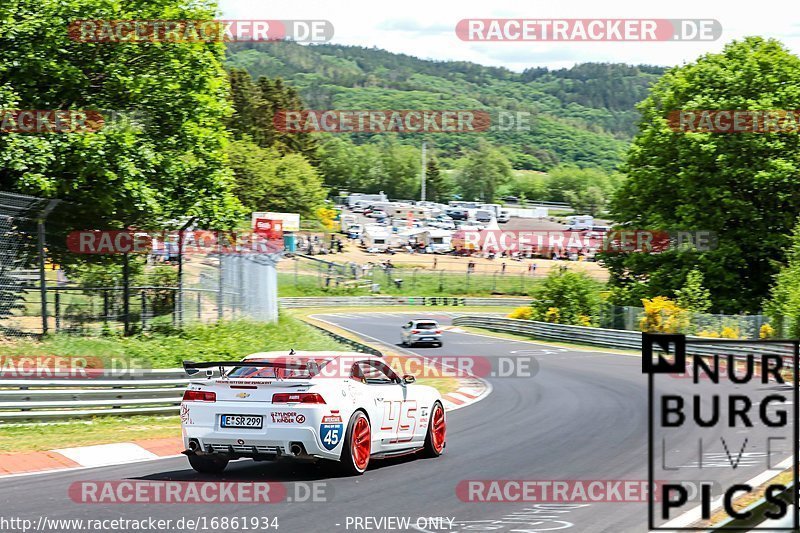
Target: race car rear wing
(191, 368)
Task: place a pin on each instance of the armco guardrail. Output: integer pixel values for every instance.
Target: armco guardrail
(129, 393)
(606, 338)
(140, 392)
(368, 301)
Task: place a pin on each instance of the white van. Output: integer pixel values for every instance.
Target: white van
(579, 222)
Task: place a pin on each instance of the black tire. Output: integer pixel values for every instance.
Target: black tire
(208, 465)
(347, 463)
(430, 450)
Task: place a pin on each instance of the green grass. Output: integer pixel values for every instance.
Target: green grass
(414, 284)
(225, 340)
(99, 430)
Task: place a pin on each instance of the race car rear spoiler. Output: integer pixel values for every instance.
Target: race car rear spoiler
(193, 368)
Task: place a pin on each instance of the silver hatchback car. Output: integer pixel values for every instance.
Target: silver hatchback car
(421, 331)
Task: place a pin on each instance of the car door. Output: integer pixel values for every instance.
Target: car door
(394, 415)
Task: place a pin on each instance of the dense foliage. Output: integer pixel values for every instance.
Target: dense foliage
(566, 298)
(165, 164)
(582, 115)
(742, 187)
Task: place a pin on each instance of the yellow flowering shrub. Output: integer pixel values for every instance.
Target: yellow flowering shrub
(552, 315)
(766, 332)
(662, 315)
(326, 216)
(522, 313)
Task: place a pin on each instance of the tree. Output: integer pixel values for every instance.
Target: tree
(484, 170)
(567, 298)
(255, 106)
(742, 187)
(167, 164)
(267, 181)
(783, 306)
(693, 296)
(437, 186)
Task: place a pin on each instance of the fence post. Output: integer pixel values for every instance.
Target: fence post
(199, 306)
(106, 310)
(441, 280)
(143, 296)
(58, 310)
(42, 280)
(126, 295)
(220, 294)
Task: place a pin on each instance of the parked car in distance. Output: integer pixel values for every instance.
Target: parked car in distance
(510, 199)
(421, 331)
(484, 215)
(458, 213)
(503, 217)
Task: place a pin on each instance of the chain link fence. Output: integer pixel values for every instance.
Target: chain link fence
(312, 275)
(46, 287)
(688, 323)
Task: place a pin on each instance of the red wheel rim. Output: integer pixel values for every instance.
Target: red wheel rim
(438, 429)
(361, 445)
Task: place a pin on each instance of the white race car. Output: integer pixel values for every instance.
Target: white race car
(340, 406)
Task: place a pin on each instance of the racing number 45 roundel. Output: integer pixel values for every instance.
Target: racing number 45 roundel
(330, 431)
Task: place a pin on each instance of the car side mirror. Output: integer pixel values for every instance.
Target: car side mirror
(408, 379)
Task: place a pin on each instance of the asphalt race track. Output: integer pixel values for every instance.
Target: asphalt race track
(583, 416)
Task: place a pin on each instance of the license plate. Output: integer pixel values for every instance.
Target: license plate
(428, 339)
(242, 421)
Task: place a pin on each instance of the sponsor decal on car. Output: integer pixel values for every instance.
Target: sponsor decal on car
(186, 416)
(287, 417)
(330, 431)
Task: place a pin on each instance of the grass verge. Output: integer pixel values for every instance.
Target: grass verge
(100, 430)
(223, 340)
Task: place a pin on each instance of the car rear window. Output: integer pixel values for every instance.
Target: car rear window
(427, 325)
(282, 368)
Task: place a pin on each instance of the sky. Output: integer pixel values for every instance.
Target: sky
(426, 28)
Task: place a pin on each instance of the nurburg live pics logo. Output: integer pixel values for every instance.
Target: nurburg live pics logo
(735, 419)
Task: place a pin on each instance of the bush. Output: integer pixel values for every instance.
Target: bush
(566, 298)
(662, 315)
(522, 313)
(766, 332)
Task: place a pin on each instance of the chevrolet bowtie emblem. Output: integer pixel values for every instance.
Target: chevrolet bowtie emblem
(243, 395)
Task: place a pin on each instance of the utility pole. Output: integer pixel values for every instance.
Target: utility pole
(422, 189)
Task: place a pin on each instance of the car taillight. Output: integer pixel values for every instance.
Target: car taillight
(438, 332)
(199, 396)
(301, 397)
(414, 331)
